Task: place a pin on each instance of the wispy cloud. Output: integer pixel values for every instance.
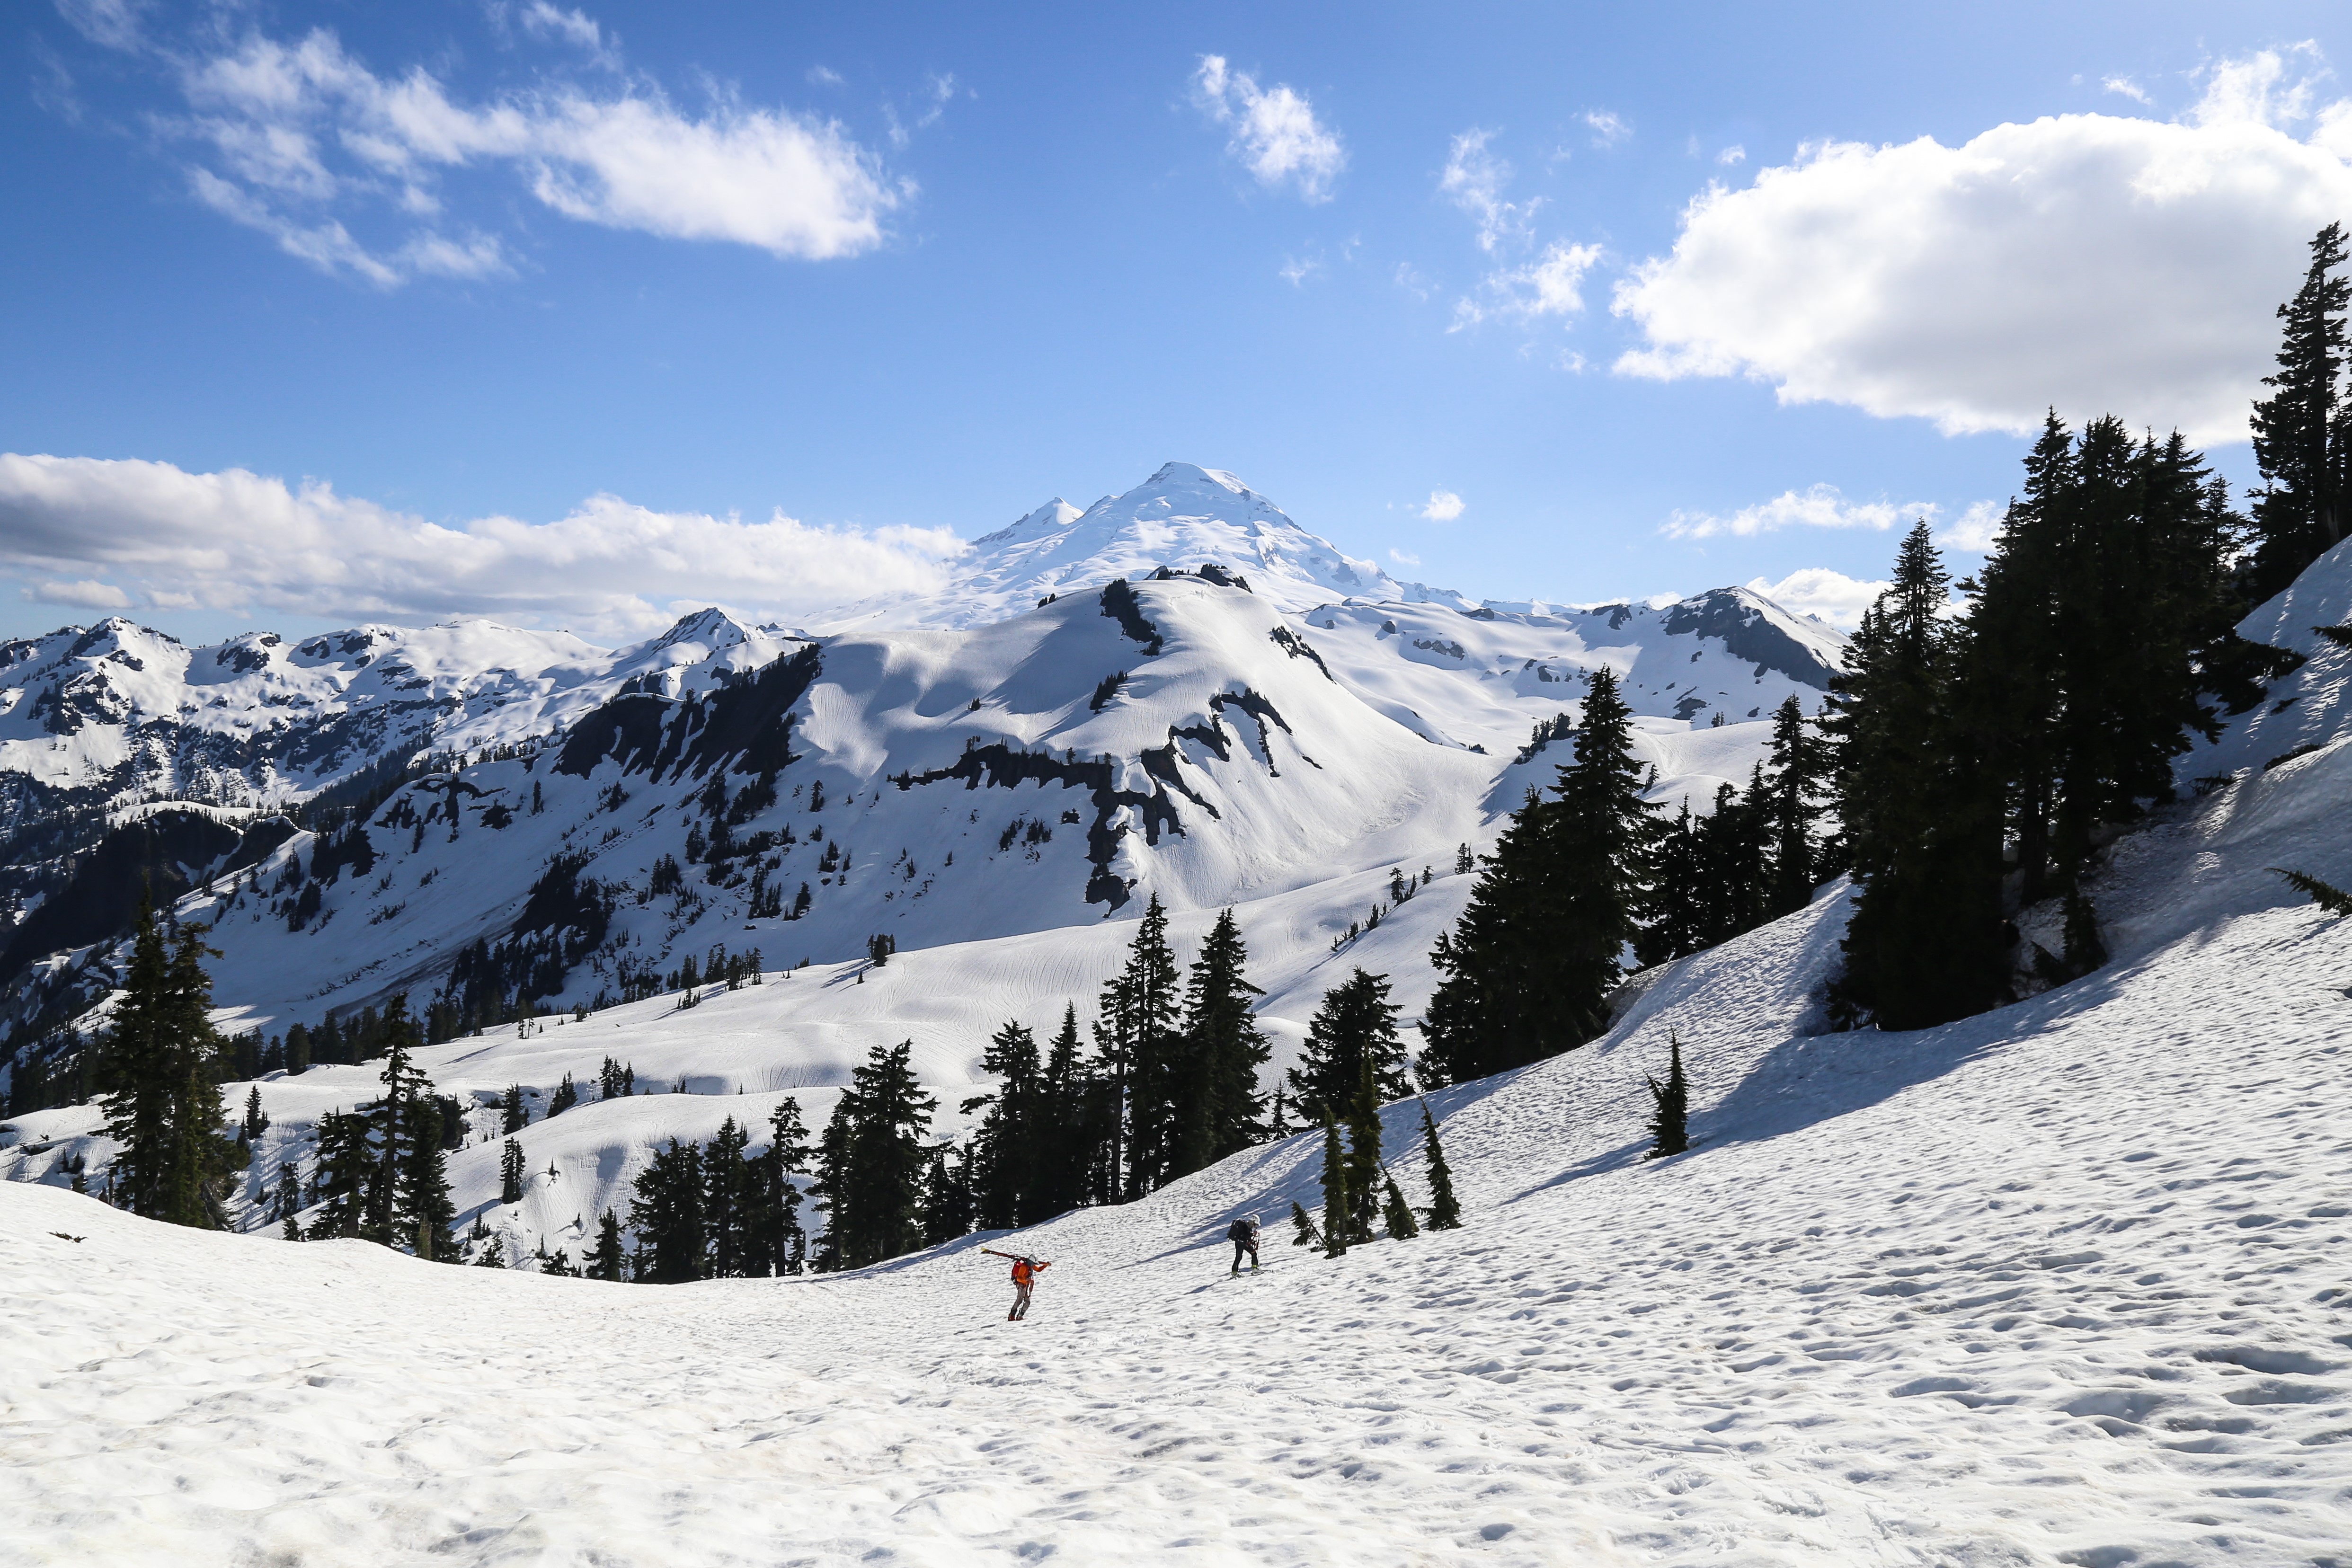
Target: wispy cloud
(1444, 507)
(1474, 179)
(1607, 129)
(1732, 155)
(1401, 558)
(1821, 507)
(2124, 87)
(1275, 135)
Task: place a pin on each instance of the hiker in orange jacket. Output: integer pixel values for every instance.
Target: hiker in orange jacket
(1024, 1277)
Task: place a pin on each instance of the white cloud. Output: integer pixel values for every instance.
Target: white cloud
(1976, 532)
(1732, 155)
(2124, 87)
(1821, 507)
(304, 143)
(1275, 133)
(2096, 263)
(1444, 507)
(823, 76)
(112, 534)
(1296, 271)
(1474, 181)
(1550, 284)
(1607, 129)
(89, 593)
(1401, 558)
(1818, 591)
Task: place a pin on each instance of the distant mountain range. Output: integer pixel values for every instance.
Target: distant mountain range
(1178, 691)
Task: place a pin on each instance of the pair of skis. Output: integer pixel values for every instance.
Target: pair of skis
(1015, 1257)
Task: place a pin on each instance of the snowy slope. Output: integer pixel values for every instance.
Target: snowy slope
(2060, 1284)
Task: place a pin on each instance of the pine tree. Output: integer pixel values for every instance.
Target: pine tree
(1355, 1026)
(604, 1260)
(1076, 1121)
(161, 1073)
(947, 1198)
(1010, 1145)
(2303, 430)
(871, 1161)
(1397, 1214)
(1528, 969)
(255, 1123)
(1797, 770)
(347, 1166)
(2325, 894)
(1216, 1105)
(567, 1095)
(513, 1116)
(1364, 1166)
(407, 1202)
(1444, 1210)
(1303, 1231)
(728, 1216)
(1338, 1208)
(1670, 1104)
(510, 1172)
(1140, 1037)
(1920, 807)
(667, 1215)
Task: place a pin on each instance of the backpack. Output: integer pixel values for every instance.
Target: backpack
(1240, 1231)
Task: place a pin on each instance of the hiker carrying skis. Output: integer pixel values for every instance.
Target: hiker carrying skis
(1242, 1234)
(1024, 1277)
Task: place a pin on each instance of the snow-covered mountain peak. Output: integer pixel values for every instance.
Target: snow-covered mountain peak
(1182, 516)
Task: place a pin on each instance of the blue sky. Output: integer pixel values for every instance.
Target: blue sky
(1448, 283)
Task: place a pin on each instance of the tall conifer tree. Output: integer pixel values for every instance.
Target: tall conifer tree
(161, 1068)
(2303, 430)
(1218, 1109)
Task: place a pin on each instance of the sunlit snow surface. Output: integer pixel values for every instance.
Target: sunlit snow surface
(2060, 1284)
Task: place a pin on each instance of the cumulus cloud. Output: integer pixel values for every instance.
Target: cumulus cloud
(299, 140)
(1444, 507)
(1731, 155)
(1826, 595)
(1820, 507)
(1275, 135)
(122, 534)
(2099, 263)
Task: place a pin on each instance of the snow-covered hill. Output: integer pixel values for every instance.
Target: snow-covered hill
(2060, 1284)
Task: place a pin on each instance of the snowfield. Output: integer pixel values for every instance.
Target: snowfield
(2060, 1284)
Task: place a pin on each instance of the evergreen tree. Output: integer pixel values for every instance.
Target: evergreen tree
(1924, 944)
(160, 1074)
(1303, 1231)
(255, 1123)
(1528, 969)
(604, 1260)
(1339, 1208)
(1077, 1123)
(1009, 1146)
(1397, 1214)
(1444, 1210)
(408, 1202)
(871, 1161)
(567, 1095)
(493, 1255)
(1364, 1167)
(947, 1198)
(1670, 1104)
(510, 1172)
(347, 1166)
(513, 1116)
(1139, 1039)
(1354, 1028)
(2303, 430)
(1216, 1105)
(727, 1204)
(1798, 771)
(667, 1215)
